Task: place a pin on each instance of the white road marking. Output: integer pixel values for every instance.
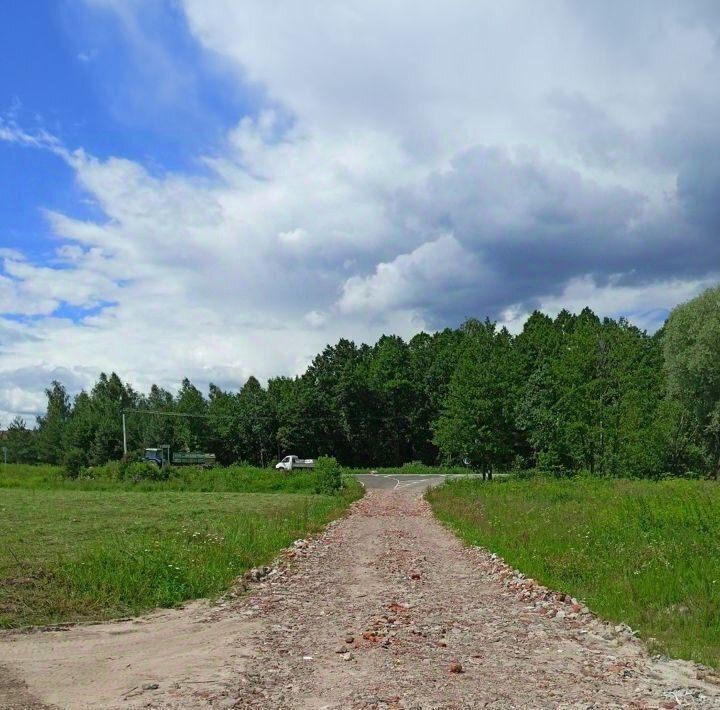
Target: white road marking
(402, 482)
(410, 483)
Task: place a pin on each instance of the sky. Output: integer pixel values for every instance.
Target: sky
(218, 188)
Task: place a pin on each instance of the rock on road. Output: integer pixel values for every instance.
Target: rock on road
(385, 609)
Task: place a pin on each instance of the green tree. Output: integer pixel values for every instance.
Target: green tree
(389, 376)
(20, 442)
(256, 423)
(224, 425)
(287, 398)
(109, 397)
(82, 428)
(52, 425)
(537, 410)
(692, 365)
(191, 432)
(155, 429)
(477, 421)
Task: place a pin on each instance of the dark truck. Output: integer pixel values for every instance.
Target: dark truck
(162, 457)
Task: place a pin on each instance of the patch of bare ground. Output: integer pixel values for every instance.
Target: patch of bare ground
(385, 609)
(125, 664)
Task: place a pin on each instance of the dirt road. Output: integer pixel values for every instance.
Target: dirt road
(386, 609)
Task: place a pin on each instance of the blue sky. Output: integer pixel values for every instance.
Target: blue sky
(74, 70)
(278, 176)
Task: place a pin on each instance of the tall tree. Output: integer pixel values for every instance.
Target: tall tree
(83, 426)
(191, 432)
(477, 422)
(390, 377)
(109, 398)
(256, 423)
(52, 425)
(20, 442)
(156, 429)
(224, 426)
(692, 365)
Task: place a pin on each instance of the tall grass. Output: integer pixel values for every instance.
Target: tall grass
(640, 552)
(70, 555)
(238, 479)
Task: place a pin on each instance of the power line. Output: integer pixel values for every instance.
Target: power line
(320, 417)
(175, 414)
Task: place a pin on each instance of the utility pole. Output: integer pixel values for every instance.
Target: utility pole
(124, 435)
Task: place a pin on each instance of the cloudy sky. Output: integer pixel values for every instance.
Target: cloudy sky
(217, 188)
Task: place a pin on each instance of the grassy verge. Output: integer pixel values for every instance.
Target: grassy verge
(230, 479)
(68, 555)
(640, 552)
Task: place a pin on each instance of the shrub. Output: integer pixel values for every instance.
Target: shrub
(328, 477)
(74, 462)
(113, 470)
(144, 471)
(550, 464)
(125, 461)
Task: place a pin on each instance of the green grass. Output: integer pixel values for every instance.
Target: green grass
(230, 479)
(69, 554)
(644, 553)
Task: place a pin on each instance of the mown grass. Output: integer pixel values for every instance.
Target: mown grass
(230, 479)
(69, 554)
(644, 553)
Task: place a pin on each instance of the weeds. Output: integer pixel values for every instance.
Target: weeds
(644, 553)
(133, 477)
(101, 548)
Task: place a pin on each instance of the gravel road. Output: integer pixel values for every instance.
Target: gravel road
(385, 609)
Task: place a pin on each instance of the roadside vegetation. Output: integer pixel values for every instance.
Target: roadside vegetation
(148, 477)
(640, 552)
(101, 546)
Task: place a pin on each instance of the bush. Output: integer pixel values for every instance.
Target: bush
(328, 477)
(144, 471)
(112, 470)
(550, 464)
(74, 462)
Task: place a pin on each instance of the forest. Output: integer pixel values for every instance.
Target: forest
(574, 393)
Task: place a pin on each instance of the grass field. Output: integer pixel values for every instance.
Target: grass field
(68, 553)
(644, 553)
(230, 479)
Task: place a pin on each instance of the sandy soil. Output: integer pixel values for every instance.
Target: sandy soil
(386, 609)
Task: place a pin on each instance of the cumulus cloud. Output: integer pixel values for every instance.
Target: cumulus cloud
(645, 306)
(413, 166)
(436, 272)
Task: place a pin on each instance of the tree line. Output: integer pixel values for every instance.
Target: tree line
(567, 394)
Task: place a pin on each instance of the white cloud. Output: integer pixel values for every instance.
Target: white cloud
(434, 268)
(88, 56)
(315, 319)
(415, 164)
(645, 306)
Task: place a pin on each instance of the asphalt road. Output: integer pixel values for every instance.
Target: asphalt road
(404, 482)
